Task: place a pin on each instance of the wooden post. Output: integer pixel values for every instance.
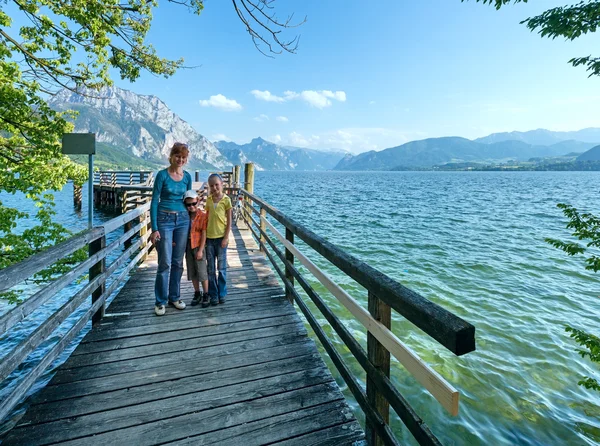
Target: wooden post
(263, 226)
(124, 209)
(249, 177)
(380, 358)
(236, 174)
(143, 232)
(77, 194)
(95, 271)
(289, 256)
(197, 176)
(248, 185)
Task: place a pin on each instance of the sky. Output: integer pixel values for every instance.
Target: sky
(372, 75)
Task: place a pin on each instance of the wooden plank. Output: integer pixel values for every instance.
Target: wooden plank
(114, 332)
(14, 274)
(176, 359)
(202, 344)
(449, 330)
(97, 386)
(180, 427)
(86, 348)
(441, 390)
(165, 408)
(346, 434)
(281, 427)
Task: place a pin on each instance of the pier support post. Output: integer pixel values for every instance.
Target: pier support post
(289, 256)
(236, 174)
(380, 358)
(95, 271)
(248, 185)
(197, 176)
(77, 194)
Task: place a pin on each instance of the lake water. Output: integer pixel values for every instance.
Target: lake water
(473, 242)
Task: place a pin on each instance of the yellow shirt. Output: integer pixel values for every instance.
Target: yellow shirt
(217, 217)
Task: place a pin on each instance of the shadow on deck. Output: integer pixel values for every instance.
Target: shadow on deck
(242, 373)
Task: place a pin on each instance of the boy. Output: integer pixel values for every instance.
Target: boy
(194, 253)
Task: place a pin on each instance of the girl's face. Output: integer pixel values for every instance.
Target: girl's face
(178, 160)
(216, 187)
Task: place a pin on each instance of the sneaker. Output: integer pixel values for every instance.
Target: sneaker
(221, 300)
(205, 300)
(179, 304)
(197, 298)
(159, 310)
(214, 302)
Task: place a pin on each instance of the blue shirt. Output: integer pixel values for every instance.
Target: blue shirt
(167, 195)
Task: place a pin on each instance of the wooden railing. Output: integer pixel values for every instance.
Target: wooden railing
(384, 295)
(121, 177)
(136, 223)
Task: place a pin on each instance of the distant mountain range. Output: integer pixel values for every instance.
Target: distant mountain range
(269, 156)
(136, 131)
(438, 151)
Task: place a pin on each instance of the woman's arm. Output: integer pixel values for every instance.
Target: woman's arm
(158, 184)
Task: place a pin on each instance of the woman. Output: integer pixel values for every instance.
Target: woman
(170, 227)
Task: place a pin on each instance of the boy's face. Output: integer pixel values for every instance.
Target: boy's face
(191, 204)
(215, 186)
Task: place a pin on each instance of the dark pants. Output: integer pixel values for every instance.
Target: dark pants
(217, 286)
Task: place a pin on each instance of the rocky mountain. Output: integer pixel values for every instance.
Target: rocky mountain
(437, 151)
(142, 126)
(543, 137)
(591, 155)
(270, 156)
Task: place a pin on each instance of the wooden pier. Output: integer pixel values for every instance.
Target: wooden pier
(242, 373)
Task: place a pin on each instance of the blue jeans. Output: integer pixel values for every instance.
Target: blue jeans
(217, 287)
(174, 228)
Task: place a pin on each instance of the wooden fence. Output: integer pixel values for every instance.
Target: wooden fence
(134, 241)
(119, 177)
(384, 295)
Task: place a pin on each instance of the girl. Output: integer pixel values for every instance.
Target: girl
(218, 206)
(170, 227)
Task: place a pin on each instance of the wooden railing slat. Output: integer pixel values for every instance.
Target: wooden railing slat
(449, 330)
(14, 274)
(119, 221)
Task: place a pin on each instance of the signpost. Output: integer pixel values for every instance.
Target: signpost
(83, 144)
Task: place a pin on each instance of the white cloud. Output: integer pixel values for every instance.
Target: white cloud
(221, 102)
(261, 118)
(282, 119)
(276, 139)
(267, 96)
(354, 140)
(317, 99)
(220, 137)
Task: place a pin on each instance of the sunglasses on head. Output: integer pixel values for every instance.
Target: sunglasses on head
(189, 205)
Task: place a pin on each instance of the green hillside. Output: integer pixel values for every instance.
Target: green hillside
(113, 158)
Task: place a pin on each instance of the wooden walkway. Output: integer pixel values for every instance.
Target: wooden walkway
(242, 373)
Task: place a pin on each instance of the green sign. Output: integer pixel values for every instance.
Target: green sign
(79, 143)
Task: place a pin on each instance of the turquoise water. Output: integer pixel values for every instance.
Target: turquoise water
(472, 242)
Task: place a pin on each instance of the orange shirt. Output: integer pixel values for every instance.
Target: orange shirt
(198, 225)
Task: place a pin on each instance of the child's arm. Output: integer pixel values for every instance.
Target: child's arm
(200, 251)
(225, 241)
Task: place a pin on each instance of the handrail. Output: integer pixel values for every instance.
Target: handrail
(380, 393)
(449, 330)
(98, 277)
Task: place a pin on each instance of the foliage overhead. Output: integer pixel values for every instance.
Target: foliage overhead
(74, 45)
(570, 22)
